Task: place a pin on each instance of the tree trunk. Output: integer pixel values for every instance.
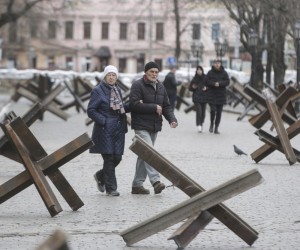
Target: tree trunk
(279, 67)
(177, 22)
(257, 71)
(269, 65)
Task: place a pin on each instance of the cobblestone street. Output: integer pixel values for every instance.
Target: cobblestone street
(272, 208)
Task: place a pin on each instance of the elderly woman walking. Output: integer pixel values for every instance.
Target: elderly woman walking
(107, 111)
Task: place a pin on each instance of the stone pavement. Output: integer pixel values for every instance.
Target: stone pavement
(272, 208)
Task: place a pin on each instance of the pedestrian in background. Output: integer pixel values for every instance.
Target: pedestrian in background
(216, 81)
(198, 88)
(171, 84)
(148, 102)
(107, 110)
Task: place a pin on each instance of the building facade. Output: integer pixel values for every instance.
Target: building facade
(87, 35)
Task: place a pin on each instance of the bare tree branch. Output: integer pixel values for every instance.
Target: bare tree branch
(15, 10)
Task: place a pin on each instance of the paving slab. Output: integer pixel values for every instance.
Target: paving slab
(272, 208)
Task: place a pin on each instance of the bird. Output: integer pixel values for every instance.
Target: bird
(238, 151)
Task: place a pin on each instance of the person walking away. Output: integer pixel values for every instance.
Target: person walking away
(198, 88)
(216, 81)
(107, 110)
(148, 102)
(171, 84)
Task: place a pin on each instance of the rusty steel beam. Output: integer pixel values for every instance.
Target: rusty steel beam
(190, 229)
(48, 102)
(49, 163)
(86, 84)
(33, 146)
(281, 101)
(49, 166)
(35, 172)
(266, 149)
(248, 108)
(199, 202)
(73, 103)
(191, 107)
(274, 142)
(77, 100)
(180, 98)
(255, 95)
(57, 241)
(191, 188)
(29, 118)
(281, 132)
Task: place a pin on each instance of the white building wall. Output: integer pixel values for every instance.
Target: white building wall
(131, 12)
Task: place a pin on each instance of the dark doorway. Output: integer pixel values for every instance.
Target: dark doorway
(103, 54)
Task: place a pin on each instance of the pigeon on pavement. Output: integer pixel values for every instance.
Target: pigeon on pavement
(238, 151)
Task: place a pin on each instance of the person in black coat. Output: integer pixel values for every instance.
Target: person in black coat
(171, 84)
(216, 81)
(148, 101)
(107, 110)
(198, 88)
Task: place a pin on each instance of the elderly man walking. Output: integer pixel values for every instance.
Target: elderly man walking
(148, 101)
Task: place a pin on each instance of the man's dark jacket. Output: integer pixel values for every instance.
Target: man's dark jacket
(217, 95)
(143, 101)
(170, 84)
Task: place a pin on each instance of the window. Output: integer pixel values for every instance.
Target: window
(33, 62)
(69, 63)
(52, 29)
(12, 36)
(123, 31)
(215, 31)
(69, 30)
(33, 28)
(141, 31)
(32, 58)
(87, 27)
(140, 62)
(159, 62)
(86, 63)
(12, 63)
(51, 62)
(105, 30)
(159, 31)
(122, 64)
(196, 31)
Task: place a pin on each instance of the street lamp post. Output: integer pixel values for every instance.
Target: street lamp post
(221, 48)
(189, 65)
(197, 49)
(253, 39)
(297, 39)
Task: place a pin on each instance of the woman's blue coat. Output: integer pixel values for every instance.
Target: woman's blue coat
(109, 126)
